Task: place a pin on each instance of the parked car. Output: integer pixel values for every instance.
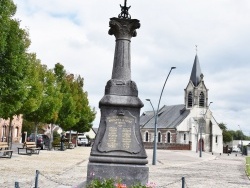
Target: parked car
(236, 149)
(82, 141)
(42, 140)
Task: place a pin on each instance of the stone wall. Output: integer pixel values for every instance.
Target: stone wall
(168, 146)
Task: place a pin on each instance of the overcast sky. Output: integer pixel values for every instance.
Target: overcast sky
(75, 34)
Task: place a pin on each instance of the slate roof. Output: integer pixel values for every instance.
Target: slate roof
(196, 72)
(168, 117)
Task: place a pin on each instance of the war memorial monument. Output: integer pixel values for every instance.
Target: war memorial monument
(118, 150)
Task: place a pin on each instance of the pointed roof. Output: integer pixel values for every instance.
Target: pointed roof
(196, 72)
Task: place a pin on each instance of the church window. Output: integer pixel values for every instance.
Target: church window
(184, 137)
(168, 137)
(190, 99)
(216, 139)
(159, 137)
(146, 136)
(201, 100)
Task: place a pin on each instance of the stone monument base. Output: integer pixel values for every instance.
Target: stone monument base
(129, 174)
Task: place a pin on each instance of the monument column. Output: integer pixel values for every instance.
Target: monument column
(118, 149)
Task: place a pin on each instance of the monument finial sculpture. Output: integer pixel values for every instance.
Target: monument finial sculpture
(124, 14)
(118, 150)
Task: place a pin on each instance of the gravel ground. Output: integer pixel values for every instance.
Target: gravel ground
(65, 169)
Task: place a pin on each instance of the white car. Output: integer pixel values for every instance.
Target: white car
(82, 141)
(236, 149)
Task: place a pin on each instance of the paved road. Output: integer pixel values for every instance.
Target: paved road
(210, 171)
(65, 169)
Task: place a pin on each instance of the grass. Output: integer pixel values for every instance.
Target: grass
(248, 166)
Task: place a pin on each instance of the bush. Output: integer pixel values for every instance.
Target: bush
(111, 183)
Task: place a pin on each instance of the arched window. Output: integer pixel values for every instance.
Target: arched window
(201, 100)
(184, 137)
(16, 132)
(159, 137)
(168, 137)
(216, 139)
(146, 137)
(190, 99)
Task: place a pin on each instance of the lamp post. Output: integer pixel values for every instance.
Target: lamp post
(156, 120)
(241, 141)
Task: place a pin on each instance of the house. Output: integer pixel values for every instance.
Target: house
(185, 126)
(14, 130)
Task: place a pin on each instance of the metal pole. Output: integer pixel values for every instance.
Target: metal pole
(200, 140)
(155, 144)
(156, 120)
(241, 141)
(36, 179)
(183, 182)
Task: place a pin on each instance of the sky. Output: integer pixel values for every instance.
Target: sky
(75, 34)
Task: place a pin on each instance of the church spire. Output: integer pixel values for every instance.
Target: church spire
(196, 72)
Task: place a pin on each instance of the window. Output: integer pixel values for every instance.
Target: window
(190, 99)
(159, 137)
(216, 139)
(16, 131)
(146, 136)
(184, 137)
(168, 137)
(201, 100)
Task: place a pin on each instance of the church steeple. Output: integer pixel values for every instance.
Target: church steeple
(196, 72)
(196, 93)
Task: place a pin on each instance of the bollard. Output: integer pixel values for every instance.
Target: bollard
(183, 182)
(36, 179)
(220, 153)
(17, 184)
(228, 154)
(212, 153)
(236, 154)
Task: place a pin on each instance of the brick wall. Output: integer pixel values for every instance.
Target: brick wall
(168, 146)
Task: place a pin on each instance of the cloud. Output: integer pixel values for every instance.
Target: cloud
(75, 33)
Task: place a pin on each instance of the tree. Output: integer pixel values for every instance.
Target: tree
(87, 114)
(68, 114)
(14, 43)
(75, 112)
(227, 137)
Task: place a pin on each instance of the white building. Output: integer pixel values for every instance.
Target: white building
(189, 125)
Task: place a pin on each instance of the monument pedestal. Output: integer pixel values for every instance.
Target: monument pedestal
(128, 173)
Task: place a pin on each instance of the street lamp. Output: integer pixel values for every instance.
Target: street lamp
(156, 119)
(241, 141)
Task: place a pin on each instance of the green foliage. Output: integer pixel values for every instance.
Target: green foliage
(30, 128)
(248, 166)
(27, 87)
(227, 137)
(14, 43)
(106, 183)
(112, 183)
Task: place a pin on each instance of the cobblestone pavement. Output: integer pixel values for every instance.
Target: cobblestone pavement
(65, 169)
(209, 171)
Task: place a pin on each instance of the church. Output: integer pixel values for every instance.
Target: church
(188, 126)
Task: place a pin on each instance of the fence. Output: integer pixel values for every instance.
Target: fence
(36, 183)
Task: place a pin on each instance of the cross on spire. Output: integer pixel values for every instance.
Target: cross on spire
(196, 48)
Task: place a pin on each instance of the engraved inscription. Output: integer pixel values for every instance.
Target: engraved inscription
(120, 134)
